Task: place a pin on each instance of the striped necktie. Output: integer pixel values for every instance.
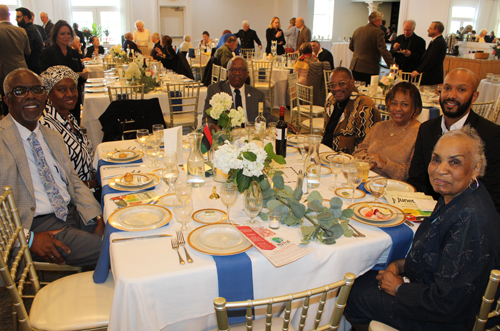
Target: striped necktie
(49, 184)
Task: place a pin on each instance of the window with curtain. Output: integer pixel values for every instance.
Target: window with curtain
(104, 13)
(323, 19)
(461, 16)
(12, 5)
(481, 14)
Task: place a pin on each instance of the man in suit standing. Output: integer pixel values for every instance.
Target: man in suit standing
(14, 48)
(408, 48)
(368, 44)
(47, 24)
(60, 215)
(80, 35)
(40, 29)
(458, 93)
(431, 64)
(243, 94)
(248, 37)
(23, 18)
(304, 34)
(321, 53)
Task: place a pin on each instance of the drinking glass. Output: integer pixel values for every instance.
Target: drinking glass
(228, 195)
(158, 129)
(183, 210)
(152, 150)
(142, 137)
(170, 174)
(271, 131)
(301, 146)
(183, 191)
(377, 187)
(250, 127)
(170, 157)
(355, 176)
(154, 140)
(336, 164)
(253, 204)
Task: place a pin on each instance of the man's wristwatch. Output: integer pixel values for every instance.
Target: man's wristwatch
(96, 219)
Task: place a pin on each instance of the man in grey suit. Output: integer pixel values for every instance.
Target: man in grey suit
(58, 211)
(304, 34)
(368, 44)
(249, 97)
(14, 47)
(47, 24)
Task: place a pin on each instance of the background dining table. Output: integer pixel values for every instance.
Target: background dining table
(154, 292)
(279, 78)
(341, 52)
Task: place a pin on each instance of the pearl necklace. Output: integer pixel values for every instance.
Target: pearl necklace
(395, 134)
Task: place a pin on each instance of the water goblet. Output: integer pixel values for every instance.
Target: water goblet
(253, 203)
(271, 131)
(170, 157)
(183, 210)
(142, 137)
(377, 187)
(355, 176)
(170, 174)
(154, 140)
(301, 146)
(158, 129)
(183, 191)
(228, 195)
(336, 164)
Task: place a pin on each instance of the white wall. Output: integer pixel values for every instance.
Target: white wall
(347, 17)
(424, 12)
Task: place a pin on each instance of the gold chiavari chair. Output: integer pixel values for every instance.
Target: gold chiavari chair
(261, 80)
(197, 64)
(108, 63)
(185, 95)
(293, 79)
(327, 74)
(483, 109)
(223, 74)
(247, 52)
(215, 73)
(293, 57)
(315, 121)
(126, 92)
(406, 76)
(380, 105)
(74, 302)
(221, 307)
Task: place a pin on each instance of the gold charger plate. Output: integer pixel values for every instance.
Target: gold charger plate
(167, 200)
(209, 216)
(326, 156)
(114, 185)
(400, 218)
(122, 155)
(138, 181)
(208, 239)
(140, 217)
(346, 192)
(388, 211)
(325, 171)
(105, 157)
(395, 185)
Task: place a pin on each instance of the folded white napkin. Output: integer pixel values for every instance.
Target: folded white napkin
(172, 141)
(425, 205)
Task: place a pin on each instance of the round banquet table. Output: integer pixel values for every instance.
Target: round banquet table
(279, 78)
(341, 51)
(488, 91)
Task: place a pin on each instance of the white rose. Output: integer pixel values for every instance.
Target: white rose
(148, 74)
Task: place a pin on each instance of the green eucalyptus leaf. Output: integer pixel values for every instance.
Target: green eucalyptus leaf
(278, 182)
(338, 231)
(265, 185)
(250, 156)
(329, 241)
(297, 193)
(264, 216)
(288, 190)
(273, 203)
(269, 149)
(335, 212)
(291, 220)
(336, 203)
(348, 233)
(307, 230)
(316, 206)
(324, 215)
(269, 193)
(283, 209)
(347, 213)
(314, 195)
(298, 209)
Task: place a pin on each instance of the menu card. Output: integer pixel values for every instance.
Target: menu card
(407, 201)
(277, 249)
(134, 199)
(172, 142)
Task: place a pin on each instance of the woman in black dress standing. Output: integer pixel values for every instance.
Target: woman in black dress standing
(274, 33)
(60, 53)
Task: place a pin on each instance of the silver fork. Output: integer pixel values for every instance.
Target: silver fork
(182, 242)
(356, 231)
(175, 246)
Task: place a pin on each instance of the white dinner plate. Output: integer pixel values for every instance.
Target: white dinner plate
(218, 239)
(106, 157)
(346, 193)
(115, 183)
(325, 171)
(95, 84)
(292, 140)
(140, 217)
(95, 80)
(168, 200)
(138, 180)
(400, 186)
(399, 219)
(123, 155)
(364, 210)
(209, 216)
(96, 90)
(327, 156)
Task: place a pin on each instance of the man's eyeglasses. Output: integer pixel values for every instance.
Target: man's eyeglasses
(240, 70)
(339, 84)
(22, 91)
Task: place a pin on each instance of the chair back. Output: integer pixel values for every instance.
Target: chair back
(483, 109)
(15, 253)
(293, 79)
(380, 105)
(406, 76)
(126, 92)
(262, 72)
(485, 311)
(315, 78)
(185, 95)
(305, 97)
(293, 57)
(247, 53)
(326, 74)
(108, 63)
(215, 73)
(221, 306)
(223, 74)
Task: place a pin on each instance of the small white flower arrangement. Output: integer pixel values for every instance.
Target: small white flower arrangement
(117, 51)
(141, 76)
(222, 112)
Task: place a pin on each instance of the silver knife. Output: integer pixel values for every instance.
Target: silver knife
(144, 237)
(124, 166)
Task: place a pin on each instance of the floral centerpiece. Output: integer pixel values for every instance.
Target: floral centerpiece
(117, 52)
(386, 83)
(139, 75)
(245, 163)
(227, 118)
(496, 50)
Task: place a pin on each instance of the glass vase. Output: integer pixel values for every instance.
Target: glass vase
(312, 164)
(196, 162)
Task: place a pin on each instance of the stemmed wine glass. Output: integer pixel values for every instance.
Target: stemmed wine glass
(336, 165)
(355, 177)
(377, 187)
(158, 129)
(142, 137)
(153, 149)
(301, 146)
(170, 174)
(228, 195)
(253, 203)
(183, 211)
(183, 191)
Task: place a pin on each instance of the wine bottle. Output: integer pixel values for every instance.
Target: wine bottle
(260, 122)
(144, 66)
(281, 131)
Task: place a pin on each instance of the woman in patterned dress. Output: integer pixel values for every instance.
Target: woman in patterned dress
(60, 82)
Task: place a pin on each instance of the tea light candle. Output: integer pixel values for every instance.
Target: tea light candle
(220, 176)
(274, 222)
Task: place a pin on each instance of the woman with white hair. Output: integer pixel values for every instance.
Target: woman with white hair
(142, 38)
(482, 34)
(186, 45)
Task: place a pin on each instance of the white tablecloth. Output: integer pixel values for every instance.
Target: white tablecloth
(96, 103)
(95, 70)
(279, 78)
(341, 51)
(153, 292)
(487, 91)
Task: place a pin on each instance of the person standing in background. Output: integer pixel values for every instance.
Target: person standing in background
(47, 24)
(80, 35)
(40, 29)
(304, 34)
(248, 37)
(142, 38)
(291, 35)
(23, 18)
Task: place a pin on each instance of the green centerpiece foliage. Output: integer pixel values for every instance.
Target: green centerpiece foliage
(327, 224)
